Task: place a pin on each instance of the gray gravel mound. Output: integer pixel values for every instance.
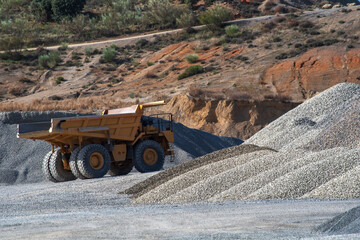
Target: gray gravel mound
(21, 159)
(293, 129)
(318, 156)
(345, 223)
(297, 183)
(171, 188)
(243, 189)
(345, 186)
(168, 174)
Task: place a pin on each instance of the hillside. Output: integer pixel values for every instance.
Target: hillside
(254, 74)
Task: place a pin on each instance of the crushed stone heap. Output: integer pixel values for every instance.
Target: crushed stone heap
(316, 154)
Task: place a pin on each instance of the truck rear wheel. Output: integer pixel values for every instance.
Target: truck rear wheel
(149, 156)
(120, 168)
(57, 169)
(93, 161)
(46, 167)
(73, 164)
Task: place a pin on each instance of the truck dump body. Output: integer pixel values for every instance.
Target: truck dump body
(68, 130)
(118, 135)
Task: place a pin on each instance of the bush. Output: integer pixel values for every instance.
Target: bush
(214, 17)
(41, 10)
(267, 27)
(292, 23)
(109, 55)
(190, 71)
(89, 51)
(49, 60)
(59, 80)
(232, 30)
(16, 91)
(192, 58)
(186, 20)
(162, 13)
(47, 10)
(66, 8)
(306, 24)
(63, 47)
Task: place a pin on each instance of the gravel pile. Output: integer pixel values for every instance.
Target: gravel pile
(345, 223)
(318, 156)
(168, 174)
(21, 159)
(317, 121)
(242, 190)
(174, 187)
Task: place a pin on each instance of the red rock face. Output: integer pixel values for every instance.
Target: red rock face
(315, 70)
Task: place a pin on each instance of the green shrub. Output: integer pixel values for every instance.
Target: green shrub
(132, 95)
(190, 71)
(43, 60)
(109, 55)
(186, 19)
(63, 47)
(162, 14)
(214, 17)
(49, 60)
(232, 30)
(192, 58)
(89, 51)
(59, 80)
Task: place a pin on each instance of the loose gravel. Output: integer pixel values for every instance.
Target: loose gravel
(168, 174)
(344, 223)
(175, 186)
(243, 189)
(318, 156)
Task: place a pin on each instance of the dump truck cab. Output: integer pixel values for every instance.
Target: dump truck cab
(114, 142)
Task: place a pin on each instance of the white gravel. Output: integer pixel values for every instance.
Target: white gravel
(175, 185)
(319, 150)
(242, 190)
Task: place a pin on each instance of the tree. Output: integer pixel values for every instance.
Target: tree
(66, 8)
(41, 9)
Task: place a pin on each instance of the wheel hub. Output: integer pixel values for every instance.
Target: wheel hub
(150, 156)
(96, 161)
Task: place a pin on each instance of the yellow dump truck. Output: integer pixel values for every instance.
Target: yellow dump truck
(91, 146)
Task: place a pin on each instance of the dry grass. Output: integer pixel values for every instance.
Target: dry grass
(83, 105)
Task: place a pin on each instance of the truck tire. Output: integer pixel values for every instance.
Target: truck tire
(57, 168)
(46, 167)
(93, 161)
(121, 168)
(149, 156)
(73, 164)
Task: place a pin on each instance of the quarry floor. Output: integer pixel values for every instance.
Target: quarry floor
(93, 209)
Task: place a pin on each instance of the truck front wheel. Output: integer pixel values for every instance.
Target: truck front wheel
(93, 161)
(149, 156)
